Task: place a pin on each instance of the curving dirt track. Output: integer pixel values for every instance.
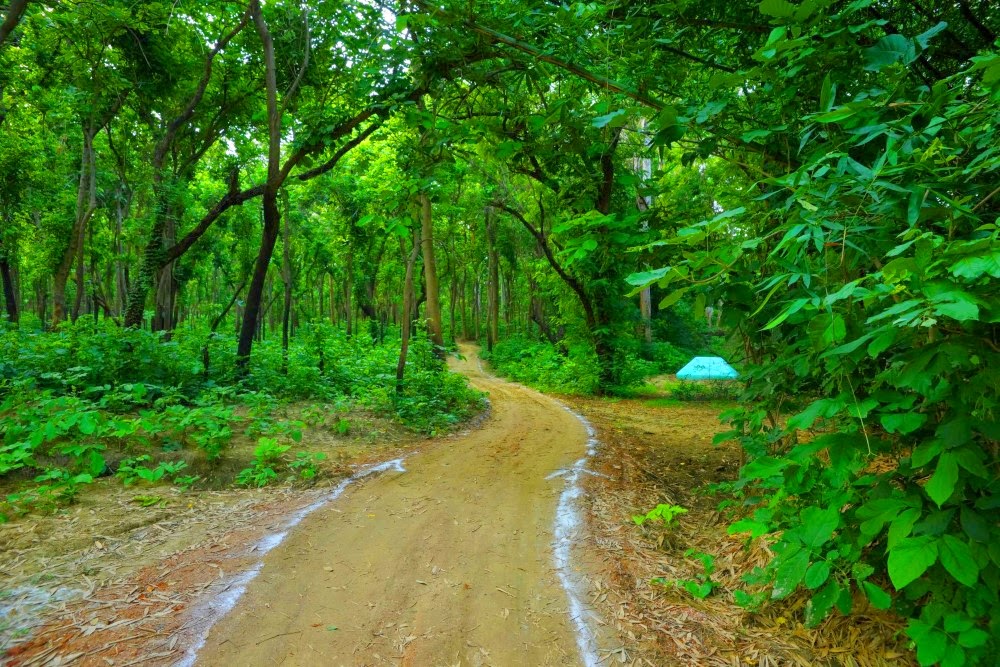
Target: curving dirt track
(448, 563)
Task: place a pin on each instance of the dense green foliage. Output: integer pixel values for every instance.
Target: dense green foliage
(354, 186)
(84, 401)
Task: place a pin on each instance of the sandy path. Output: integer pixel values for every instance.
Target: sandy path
(449, 563)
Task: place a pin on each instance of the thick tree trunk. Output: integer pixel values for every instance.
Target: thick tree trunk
(9, 293)
(272, 216)
(493, 284)
(407, 320)
(432, 294)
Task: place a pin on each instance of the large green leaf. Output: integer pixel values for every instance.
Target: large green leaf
(817, 525)
(643, 278)
(777, 8)
(957, 559)
(790, 573)
(878, 597)
(942, 483)
(817, 574)
(911, 558)
(889, 50)
(903, 422)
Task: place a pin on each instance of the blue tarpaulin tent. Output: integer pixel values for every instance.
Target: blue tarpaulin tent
(707, 368)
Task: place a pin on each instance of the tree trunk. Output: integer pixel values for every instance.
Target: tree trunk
(86, 203)
(321, 279)
(407, 320)
(272, 216)
(348, 288)
(286, 277)
(9, 294)
(430, 275)
(493, 285)
(646, 310)
(644, 167)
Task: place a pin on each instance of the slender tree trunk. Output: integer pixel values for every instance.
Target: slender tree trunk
(121, 271)
(205, 356)
(86, 203)
(452, 300)
(646, 312)
(333, 300)
(348, 289)
(407, 320)
(464, 307)
(286, 277)
(432, 295)
(644, 166)
(493, 285)
(321, 279)
(477, 307)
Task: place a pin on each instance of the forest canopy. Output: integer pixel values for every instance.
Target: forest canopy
(259, 195)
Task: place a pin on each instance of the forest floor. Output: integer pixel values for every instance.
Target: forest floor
(657, 450)
(444, 558)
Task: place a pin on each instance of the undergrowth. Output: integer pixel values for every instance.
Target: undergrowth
(89, 401)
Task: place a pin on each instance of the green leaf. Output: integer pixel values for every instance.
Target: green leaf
(901, 527)
(942, 483)
(972, 268)
(672, 298)
(789, 310)
(781, 9)
(824, 407)
(957, 559)
(931, 642)
(924, 38)
(817, 526)
(882, 343)
(962, 311)
(889, 50)
(790, 573)
(87, 423)
(878, 597)
(903, 422)
(644, 278)
(827, 93)
(973, 638)
(613, 119)
(835, 115)
(926, 452)
(817, 574)
(910, 559)
(821, 603)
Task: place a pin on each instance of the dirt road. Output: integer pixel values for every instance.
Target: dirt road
(447, 563)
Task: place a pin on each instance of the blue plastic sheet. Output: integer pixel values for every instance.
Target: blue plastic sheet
(707, 368)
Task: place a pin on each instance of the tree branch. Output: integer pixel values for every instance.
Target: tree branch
(184, 116)
(498, 37)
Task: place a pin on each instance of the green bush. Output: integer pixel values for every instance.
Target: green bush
(541, 365)
(68, 396)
